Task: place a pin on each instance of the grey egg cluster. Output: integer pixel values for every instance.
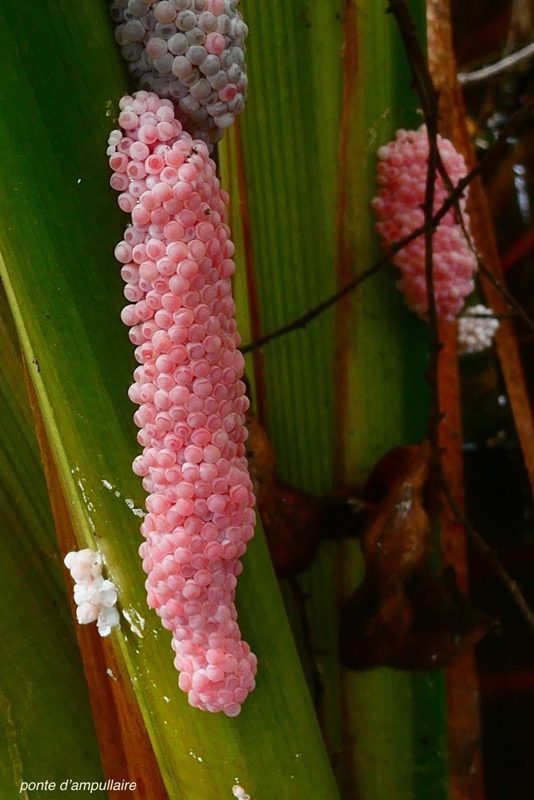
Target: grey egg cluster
(191, 52)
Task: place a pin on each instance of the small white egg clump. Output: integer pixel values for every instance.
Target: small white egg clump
(94, 596)
(188, 51)
(476, 330)
(240, 793)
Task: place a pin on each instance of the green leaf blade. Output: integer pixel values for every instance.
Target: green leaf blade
(65, 292)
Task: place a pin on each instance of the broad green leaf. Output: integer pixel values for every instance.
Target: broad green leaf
(46, 724)
(60, 91)
(329, 84)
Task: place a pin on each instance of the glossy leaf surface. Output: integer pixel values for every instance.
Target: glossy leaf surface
(58, 100)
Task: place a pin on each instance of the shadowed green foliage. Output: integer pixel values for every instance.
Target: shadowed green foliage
(46, 721)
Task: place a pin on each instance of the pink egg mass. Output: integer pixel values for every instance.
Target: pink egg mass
(402, 171)
(177, 265)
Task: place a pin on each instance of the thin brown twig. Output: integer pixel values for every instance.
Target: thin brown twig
(482, 266)
(490, 555)
(486, 271)
(314, 312)
(436, 345)
(428, 97)
(300, 322)
(492, 70)
(510, 299)
(424, 85)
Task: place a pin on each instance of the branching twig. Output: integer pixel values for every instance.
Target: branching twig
(428, 98)
(515, 121)
(491, 71)
(314, 312)
(482, 266)
(484, 269)
(510, 299)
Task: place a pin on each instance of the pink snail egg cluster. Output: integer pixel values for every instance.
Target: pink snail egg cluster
(177, 265)
(402, 173)
(190, 51)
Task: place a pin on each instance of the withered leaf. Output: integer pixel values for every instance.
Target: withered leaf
(289, 517)
(403, 615)
(294, 521)
(397, 540)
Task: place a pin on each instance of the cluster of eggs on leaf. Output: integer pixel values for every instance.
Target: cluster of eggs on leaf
(177, 264)
(402, 172)
(191, 52)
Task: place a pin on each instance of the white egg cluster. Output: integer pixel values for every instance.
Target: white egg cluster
(94, 596)
(476, 330)
(191, 52)
(240, 793)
